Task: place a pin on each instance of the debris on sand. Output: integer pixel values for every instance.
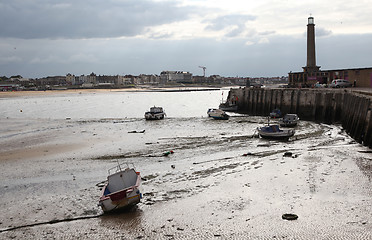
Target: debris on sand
(289, 216)
(143, 131)
(167, 153)
(287, 154)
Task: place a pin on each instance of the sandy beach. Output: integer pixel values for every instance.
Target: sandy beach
(8, 94)
(226, 184)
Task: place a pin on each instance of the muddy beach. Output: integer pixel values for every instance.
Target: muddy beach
(225, 184)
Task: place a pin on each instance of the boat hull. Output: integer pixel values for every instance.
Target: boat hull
(220, 117)
(284, 136)
(217, 114)
(121, 190)
(154, 116)
(288, 124)
(228, 108)
(273, 132)
(120, 200)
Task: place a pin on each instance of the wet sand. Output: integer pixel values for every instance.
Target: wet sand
(226, 184)
(5, 94)
(9, 94)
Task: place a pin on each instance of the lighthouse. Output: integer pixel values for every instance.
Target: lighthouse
(311, 59)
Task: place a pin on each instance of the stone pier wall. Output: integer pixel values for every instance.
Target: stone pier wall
(350, 108)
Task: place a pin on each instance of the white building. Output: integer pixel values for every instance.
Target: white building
(175, 77)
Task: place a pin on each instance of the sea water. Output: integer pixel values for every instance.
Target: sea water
(115, 104)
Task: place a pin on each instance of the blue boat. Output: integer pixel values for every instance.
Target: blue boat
(274, 132)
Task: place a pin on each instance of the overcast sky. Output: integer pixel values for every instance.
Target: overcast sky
(246, 38)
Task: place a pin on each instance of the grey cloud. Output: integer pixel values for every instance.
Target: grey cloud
(160, 36)
(234, 32)
(74, 19)
(322, 32)
(266, 33)
(282, 53)
(236, 22)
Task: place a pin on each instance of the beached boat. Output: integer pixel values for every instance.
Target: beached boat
(274, 132)
(276, 113)
(155, 113)
(289, 120)
(217, 114)
(228, 107)
(121, 189)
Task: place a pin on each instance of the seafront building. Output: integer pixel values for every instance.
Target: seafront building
(166, 78)
(311, 74)
(175, 77)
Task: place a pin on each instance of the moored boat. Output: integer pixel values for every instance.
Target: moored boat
(217, 114)
(289, 120)
(121, 189)
(155, 113)
(228, 107)
(274, 132)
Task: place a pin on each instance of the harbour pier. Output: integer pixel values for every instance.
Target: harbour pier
(349, 107)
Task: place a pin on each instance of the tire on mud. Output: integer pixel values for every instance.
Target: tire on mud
(289, 216)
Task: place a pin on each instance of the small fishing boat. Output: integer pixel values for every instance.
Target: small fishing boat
(217, 114)
(230, 105)
(274, 132)
(155, 113)
(121, 189)
(289, 120)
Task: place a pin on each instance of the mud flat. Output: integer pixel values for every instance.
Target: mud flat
(6, 94)
(225, 183)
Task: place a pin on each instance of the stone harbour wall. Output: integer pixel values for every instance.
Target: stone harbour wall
(348, 107)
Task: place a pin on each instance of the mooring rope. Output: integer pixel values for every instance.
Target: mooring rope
(50, 222)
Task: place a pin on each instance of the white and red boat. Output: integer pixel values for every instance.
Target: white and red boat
(121, 189)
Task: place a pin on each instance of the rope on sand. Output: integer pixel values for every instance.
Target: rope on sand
(50, 222)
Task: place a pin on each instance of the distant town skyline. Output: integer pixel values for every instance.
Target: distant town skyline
(234, 38)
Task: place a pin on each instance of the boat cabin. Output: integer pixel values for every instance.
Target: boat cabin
(271, 128)
(156, 109)
(121, 180)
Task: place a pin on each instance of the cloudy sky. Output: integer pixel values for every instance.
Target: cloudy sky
(246, 38)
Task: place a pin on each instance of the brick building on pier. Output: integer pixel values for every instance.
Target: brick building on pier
(311, 74)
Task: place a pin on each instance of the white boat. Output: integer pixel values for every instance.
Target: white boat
(155, 113)
(217, 114)
(289, 120)
(121, 189)
(274, 132)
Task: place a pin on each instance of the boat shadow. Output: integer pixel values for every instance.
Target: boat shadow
(128, 217)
